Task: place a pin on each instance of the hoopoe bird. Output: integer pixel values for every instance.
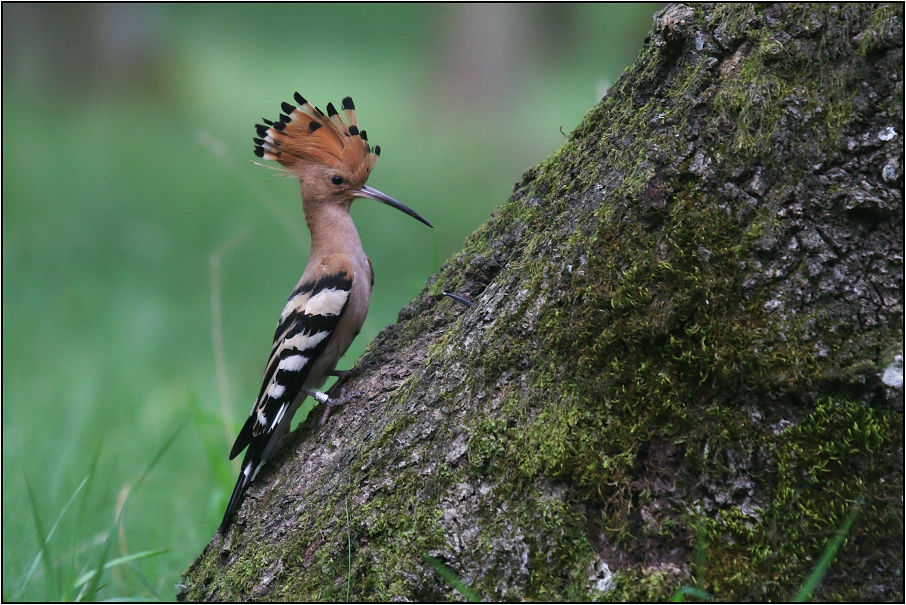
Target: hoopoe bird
(325, 311)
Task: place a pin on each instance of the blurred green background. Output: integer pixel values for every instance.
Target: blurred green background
(126, 166)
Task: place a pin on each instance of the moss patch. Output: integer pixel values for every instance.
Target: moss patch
(681, 319)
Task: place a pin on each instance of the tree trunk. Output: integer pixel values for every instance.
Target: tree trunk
(683, 365)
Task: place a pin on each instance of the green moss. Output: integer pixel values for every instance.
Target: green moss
(644, 585)
(883, 30)
(664, 395)
(653, 344)
(391, 549)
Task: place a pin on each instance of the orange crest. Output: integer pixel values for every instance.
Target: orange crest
(304, 134)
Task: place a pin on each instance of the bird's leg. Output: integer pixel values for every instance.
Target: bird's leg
(318, 395)
(330, 402)
(334, 402)
(342, 374)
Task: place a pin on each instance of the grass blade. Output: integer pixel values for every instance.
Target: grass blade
(141, 576)
(348, 551)
(160, 453)
(698, 568)
(119, 561)
(39, 555)
(208, 428)
(452, 579)
(91, 588)
(698, 593)
(42, 537)
(814, 578)
(223, 384)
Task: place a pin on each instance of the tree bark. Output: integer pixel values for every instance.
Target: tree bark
(683, 365)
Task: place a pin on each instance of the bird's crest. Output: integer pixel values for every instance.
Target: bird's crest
(303, 133)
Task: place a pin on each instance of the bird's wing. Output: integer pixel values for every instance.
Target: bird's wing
(306, 325)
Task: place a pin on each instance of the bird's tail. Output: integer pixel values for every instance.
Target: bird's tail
(250, 466)
(260, 449)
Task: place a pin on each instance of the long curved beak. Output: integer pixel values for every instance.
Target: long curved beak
(373, 194)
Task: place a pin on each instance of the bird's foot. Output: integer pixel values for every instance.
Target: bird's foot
(344, 375)
(331, 402)
(336, 402)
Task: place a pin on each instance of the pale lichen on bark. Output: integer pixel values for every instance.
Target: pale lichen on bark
(688, 320)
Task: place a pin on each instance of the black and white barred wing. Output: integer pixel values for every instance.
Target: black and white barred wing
(306, 325)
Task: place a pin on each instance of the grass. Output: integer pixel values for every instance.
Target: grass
(86, 565)
(808, 587)
(452, 579)
(348, 551)
(821, 568)
(43, 540)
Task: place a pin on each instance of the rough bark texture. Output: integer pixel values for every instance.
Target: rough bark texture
(687, 322)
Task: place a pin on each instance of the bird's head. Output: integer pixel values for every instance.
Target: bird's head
(329, 154)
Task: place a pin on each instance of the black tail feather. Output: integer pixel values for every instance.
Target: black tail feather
(244, 437)
(235, 500)
(250, 466)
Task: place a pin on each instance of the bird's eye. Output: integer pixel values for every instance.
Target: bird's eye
(337, 179)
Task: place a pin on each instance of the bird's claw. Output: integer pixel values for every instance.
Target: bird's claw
(335, 402)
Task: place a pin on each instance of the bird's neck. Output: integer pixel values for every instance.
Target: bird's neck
(332, 231)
